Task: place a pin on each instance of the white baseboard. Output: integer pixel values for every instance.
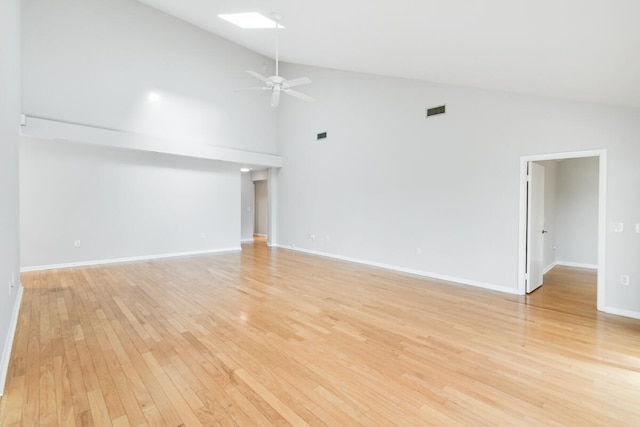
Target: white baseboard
(8, 345)
(549, 268)
(577, 264)
(247, 240)
(128, 259)
(406, 270)
(621, 312)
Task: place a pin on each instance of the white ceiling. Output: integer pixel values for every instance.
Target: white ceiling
(585, 50)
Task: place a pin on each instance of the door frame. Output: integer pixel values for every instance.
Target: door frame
(270, 175)
(272, 211)
(257, 218)
(602, 211)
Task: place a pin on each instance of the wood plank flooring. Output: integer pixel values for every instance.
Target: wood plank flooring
(275, 337)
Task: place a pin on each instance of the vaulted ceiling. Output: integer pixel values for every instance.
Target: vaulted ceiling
(586, 50)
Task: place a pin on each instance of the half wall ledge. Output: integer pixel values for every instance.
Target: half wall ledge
(38, 127)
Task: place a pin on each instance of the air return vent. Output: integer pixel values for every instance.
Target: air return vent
(435, 110)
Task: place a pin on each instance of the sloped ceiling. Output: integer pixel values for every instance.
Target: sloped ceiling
(587, 50)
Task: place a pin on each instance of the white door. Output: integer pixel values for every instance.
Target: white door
(535, 226)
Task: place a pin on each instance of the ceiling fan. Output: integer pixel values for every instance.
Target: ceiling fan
(278, 84)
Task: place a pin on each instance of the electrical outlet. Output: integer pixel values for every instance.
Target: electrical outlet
(418, 251)
(76, 243)
(624, 279)
(312, 236)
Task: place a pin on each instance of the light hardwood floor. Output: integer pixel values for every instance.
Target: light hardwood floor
(275, 337)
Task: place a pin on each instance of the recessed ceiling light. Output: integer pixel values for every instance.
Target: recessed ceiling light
(249, 20)
(245, 170)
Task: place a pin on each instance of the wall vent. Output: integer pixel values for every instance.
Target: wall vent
(322, 135)
(435, 110)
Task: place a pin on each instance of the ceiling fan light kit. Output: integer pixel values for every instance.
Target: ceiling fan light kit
(278, 84)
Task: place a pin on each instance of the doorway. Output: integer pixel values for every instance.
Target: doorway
(257, 205)
(532, 229)
(261, 202)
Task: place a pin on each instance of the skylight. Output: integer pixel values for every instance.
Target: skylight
(249, 20)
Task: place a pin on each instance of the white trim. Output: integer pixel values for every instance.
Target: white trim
(621, 312)
(247, 240)
(566, 155)
(602, 228)
(405, 270)
(39, 127)
(8, 345)
(549, 268)
(259, 235)
(272, 206)
(127, 259)
(602, 214)
(577, 264)
(522, 232)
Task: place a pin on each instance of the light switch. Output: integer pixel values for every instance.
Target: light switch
(637, 228)
(617, 227)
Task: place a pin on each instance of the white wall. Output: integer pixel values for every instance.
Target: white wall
(122, 204)
(247, 217)
(95, 63)
(577, 211)
(9, 215)
(261, 207)
(387, 181)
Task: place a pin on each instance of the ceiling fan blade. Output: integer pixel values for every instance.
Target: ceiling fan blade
(275, 98)
(300, 95)
(298, 82)
(258, 76)
(251, 88)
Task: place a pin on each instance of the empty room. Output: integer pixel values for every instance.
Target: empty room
(319, 213)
